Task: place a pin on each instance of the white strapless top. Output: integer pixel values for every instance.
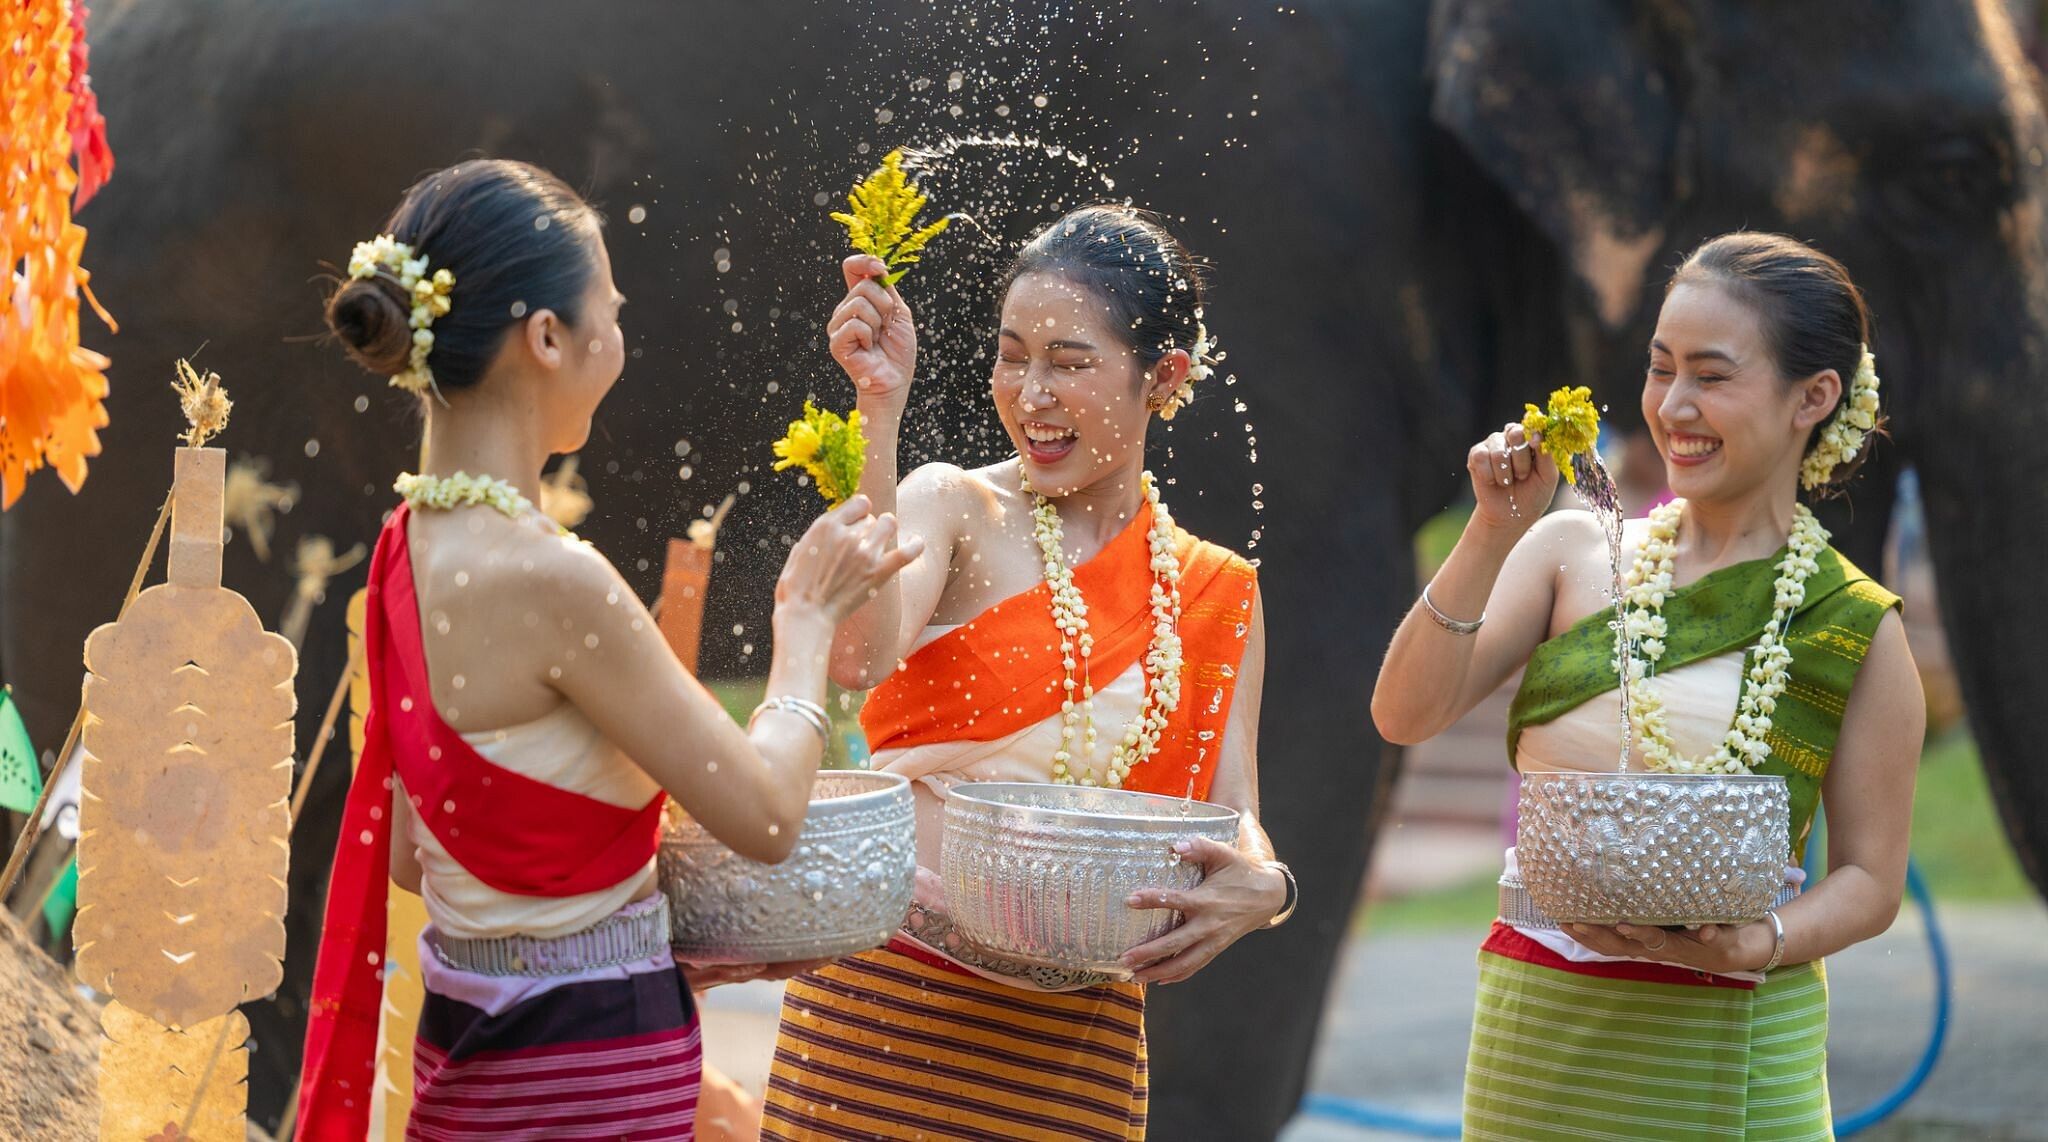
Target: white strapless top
(1699, 705)
(561, 748)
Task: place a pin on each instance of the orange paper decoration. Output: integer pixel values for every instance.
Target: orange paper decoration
(51, 387)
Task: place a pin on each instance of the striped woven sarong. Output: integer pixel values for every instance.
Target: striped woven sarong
(886, 1046)
(601, 1058)
(1631, 1051)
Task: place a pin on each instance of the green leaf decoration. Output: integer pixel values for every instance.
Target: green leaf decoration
(21, 778)
(62, 904)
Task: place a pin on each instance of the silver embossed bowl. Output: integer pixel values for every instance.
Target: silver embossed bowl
(1653, 848)
(1039, 873)
(844, 888)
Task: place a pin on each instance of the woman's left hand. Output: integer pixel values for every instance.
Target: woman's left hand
(1717, 948)
(1236, 896)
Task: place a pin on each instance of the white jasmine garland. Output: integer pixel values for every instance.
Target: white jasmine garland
(445, 493)
(1647, 586)
(1847, 431)
(1162, 662)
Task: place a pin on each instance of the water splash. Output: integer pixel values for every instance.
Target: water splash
(1596, 489)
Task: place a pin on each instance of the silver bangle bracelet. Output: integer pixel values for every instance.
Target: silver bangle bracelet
(811, 712)
(1293, 895)
(1455, 626)
(1778, 952)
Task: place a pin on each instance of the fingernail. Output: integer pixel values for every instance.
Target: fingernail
(1184, 847)
(1134, 900)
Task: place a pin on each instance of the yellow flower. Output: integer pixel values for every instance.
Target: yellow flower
(1569, 427)
(799, 449)
(831, 450)
(885, 207)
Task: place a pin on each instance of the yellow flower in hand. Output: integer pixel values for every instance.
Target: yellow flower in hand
(799, 449)
(885, 207)
(1569, 427)
(831, 450)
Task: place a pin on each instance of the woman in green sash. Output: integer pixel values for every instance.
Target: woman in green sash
(1762, 650)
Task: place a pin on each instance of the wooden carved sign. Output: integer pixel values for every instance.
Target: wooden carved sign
(185, 813)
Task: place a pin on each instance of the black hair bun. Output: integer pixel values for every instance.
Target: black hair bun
(372, 319)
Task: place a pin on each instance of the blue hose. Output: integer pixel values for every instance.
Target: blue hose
(1357, 1112)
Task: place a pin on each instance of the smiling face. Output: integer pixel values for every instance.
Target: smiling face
(1725, 420)
(592, 358)
(1071, 393)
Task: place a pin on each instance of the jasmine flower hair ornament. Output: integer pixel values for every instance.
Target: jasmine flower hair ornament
(388, 258)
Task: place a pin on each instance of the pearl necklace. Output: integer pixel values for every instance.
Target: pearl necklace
(1643, 626)
(1077, 643)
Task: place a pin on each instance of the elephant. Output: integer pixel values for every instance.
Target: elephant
(1420, 215)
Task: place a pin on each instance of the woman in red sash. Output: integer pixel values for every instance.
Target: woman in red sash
(527, 720)
(1060, 628)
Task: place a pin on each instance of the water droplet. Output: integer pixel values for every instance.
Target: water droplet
(732, 305)
(590, 641)
(956, 81)
(636, 215)
(685, 472)
(739, 629)
(884, 115)
(462, 578)
(820, 198)
(312, 448)
(532, 619)
(773, 831)
(774, 387)
(1003, 109)
(542, 222)
(747, 648)
(554, 672)
(362, 404)
(458, 681)
(518, 310)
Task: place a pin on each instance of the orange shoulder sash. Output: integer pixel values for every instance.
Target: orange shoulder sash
(1001, 673)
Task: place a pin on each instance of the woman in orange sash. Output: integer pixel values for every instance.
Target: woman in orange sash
(526, 719)
(1058, 628)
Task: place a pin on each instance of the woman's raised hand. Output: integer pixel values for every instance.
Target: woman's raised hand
(842, 559)
(872, 334)
(1513, 480)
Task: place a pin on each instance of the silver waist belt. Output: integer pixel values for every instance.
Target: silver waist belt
(1519, 911)
(634, 933)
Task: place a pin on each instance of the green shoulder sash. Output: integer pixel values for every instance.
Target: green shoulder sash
(1726, 610)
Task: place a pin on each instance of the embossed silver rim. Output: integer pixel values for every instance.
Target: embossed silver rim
(1025, 801)
(883, 789)
(1715, 778)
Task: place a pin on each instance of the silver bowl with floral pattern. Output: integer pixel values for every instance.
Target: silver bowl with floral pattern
(1039, 873)
(845, 887)
(1653, 848)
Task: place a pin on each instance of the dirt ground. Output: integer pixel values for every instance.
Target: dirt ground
(49, 1046)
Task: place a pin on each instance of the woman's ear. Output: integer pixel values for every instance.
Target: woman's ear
(1165, 376)
(1819, 396)
(545, 336)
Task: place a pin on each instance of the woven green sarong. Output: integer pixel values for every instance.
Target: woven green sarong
(1558, 1055)
(1562, 1053)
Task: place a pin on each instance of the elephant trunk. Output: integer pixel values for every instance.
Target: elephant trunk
(1981, 449)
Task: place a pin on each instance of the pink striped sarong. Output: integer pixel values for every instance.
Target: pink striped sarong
(616, 1058)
